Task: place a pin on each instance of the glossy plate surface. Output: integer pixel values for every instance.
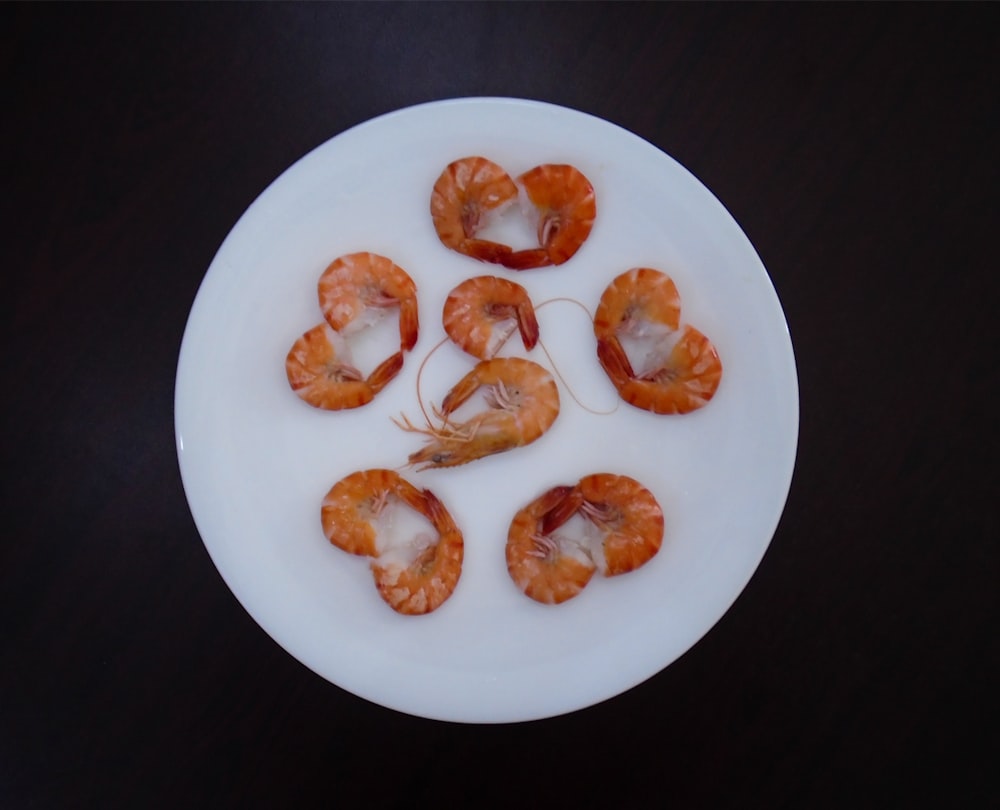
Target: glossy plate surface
(256, 461)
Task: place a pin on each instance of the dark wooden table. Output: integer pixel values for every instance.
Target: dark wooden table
(857, 147)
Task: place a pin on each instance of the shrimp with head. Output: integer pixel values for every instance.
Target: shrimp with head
(522, 402)
(680, 369)
(414, 574)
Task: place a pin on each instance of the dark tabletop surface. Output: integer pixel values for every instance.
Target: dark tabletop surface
(856, 145)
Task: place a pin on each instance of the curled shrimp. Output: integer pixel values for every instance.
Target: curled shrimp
(522, 403)
(481, 313)
(628, 520)
(473, 190)
(320, 371)
(566, 207)
(622, 531)
(547, 566)
(466, 195)
(680, 368)
(356, 290)
(414, 574)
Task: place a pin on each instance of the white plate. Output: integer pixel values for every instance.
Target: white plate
(256, 461)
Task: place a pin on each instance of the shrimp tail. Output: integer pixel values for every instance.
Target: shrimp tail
(461, 392)
(437, 514)
(415, 498)
(487, 251)
(527, 324)
(528, 259)
(409, 324)
(557, 506)
(385, 372)
(613, 359)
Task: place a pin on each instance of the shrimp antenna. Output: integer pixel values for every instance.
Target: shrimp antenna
(580, 304)
(555, 367)
(420, 372)
(404, 421)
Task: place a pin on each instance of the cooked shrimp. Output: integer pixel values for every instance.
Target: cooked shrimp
(466, 195)
(680, 369)
(414, 575)
(628, 518)
(419, 582)
(356, 290)
(548, 566)
(355, 505)
(686, 379)
(566, 207)
(320, 371)
(640, 302)
(481, 313)
(522, 400)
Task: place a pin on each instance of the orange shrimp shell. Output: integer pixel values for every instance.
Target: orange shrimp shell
(465, 195)
(359, 281)
(639, 303)
(430, 579)
(320, 377)
(476, 310)
(347, 515)
(522, 404)
(541, 566)
(629, 516)
(567, 208)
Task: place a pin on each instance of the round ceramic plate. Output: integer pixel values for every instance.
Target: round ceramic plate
(256, 460)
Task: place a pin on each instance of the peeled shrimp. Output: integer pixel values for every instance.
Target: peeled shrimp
(356, 290)
(566, 207)
(551, 561)
(481, 313)
(320, 371)
(414, 576)
(547, 566)
(522, 403)
(680, 368)
(465, 196)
